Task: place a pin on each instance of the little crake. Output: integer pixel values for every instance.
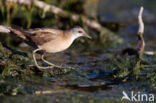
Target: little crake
(48, 39)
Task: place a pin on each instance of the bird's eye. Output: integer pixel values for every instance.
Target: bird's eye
(80, 31)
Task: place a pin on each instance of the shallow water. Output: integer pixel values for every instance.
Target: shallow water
(125, 13)
(95, 77)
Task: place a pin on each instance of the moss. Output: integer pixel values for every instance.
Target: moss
(13, 64)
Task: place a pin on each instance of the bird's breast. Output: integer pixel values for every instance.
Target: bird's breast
(57, 45)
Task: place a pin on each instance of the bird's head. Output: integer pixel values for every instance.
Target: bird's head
(79, 32)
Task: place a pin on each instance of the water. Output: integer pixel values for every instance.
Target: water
(125, 13)
(101, 73)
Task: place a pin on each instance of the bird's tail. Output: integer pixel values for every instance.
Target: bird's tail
(20, 32)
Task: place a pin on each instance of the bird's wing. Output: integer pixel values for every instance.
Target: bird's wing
(43, 35)
(44, 30)
(20, 32)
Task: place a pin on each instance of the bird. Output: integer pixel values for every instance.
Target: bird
(49, 40)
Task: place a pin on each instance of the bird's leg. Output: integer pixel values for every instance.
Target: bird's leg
(34, 57)
(49, 63)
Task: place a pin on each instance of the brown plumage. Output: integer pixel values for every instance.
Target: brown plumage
(38, 36)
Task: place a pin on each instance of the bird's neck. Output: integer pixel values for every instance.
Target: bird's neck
(69, 34)
(74, 36)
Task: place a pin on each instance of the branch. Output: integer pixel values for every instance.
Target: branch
(58, 11)
(140, 33)
(4, 29)
(64, 14)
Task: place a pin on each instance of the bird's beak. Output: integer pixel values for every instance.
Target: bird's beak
(86, 35)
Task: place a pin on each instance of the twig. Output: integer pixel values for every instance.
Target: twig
(141, 24)
(4, 29)
(150, 52)
(140, 33)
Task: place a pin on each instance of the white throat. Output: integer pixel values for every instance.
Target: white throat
(75, 36)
